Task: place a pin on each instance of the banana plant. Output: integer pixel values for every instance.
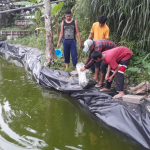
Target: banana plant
(55, 8)
(38, 16)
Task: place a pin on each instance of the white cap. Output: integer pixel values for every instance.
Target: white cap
(87, 44)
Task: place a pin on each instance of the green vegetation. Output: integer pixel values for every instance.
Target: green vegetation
(129, 26)
(129, 19)
(14, 28)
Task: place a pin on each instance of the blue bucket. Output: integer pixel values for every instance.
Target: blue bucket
(58, 53)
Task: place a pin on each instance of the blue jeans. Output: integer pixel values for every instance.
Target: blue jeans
(70, 46)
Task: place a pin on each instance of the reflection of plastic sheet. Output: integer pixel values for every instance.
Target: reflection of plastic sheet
(131, 119)
(79, 128)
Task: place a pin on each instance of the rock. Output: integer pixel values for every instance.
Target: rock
(133, 99)
(74, 73)
(148, 99)
(142, 88)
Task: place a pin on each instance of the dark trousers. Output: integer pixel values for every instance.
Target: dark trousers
(101, 65)
(69, 46)
(119, 76)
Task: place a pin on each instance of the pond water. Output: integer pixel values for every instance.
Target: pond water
(32, 117)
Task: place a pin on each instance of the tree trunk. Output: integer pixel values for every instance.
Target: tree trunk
(0, 21)
(50, 53)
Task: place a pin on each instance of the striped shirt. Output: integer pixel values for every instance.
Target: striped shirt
(99, 45)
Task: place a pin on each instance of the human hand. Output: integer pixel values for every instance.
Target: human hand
(58, 45)
(80, 44)
(107, 77)
(110, 78)
(82, 69)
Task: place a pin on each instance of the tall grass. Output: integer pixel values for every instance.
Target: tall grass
(31, 41)
(129, 18)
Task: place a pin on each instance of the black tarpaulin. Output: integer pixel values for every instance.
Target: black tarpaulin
(114, 112)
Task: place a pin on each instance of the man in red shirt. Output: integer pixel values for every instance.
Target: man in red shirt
(117, 59)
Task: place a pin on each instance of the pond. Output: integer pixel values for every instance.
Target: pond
(33, 117)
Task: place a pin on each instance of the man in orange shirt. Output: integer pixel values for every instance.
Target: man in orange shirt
(99, 29)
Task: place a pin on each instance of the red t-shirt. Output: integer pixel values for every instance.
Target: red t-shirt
(116, 55)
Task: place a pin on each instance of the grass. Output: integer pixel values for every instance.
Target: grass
(39, 41)
(15, 28)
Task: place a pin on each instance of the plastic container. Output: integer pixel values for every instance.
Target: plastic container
(58, 53)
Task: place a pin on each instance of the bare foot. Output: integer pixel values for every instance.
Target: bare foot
(104, 89)
(66, 69)
(121, 93)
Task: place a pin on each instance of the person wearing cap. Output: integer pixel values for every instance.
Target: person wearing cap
(100, 30)
(69, 29)
(97, 45)
(117, 59)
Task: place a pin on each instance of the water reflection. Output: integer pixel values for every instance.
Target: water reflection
(32, 117)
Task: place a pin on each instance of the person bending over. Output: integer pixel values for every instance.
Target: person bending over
(117, 59)
(97, 45)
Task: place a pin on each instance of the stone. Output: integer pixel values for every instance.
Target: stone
(133, 99)
(74, 73)
(142, 88)
(148, 99)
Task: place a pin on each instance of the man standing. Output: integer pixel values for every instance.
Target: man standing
(69, 28)
(117, 59)
(97, 45)
(99, 29)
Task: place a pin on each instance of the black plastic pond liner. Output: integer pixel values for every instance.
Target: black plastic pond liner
(131, 119)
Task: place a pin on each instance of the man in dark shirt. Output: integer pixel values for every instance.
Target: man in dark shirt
(97, 45)
(69, 28)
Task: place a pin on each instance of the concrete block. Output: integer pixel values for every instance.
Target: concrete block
(148, 99)
(133, 99)
(10, 37)
(148, 108)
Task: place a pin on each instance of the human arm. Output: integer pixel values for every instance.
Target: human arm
(108, 72)
(60, 36)
(92, 32)
(90, 35)
(78, 34)
(89, 58)
(90, 64)
(111, 77)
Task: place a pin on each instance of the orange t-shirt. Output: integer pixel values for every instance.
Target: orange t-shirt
(100, 32)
